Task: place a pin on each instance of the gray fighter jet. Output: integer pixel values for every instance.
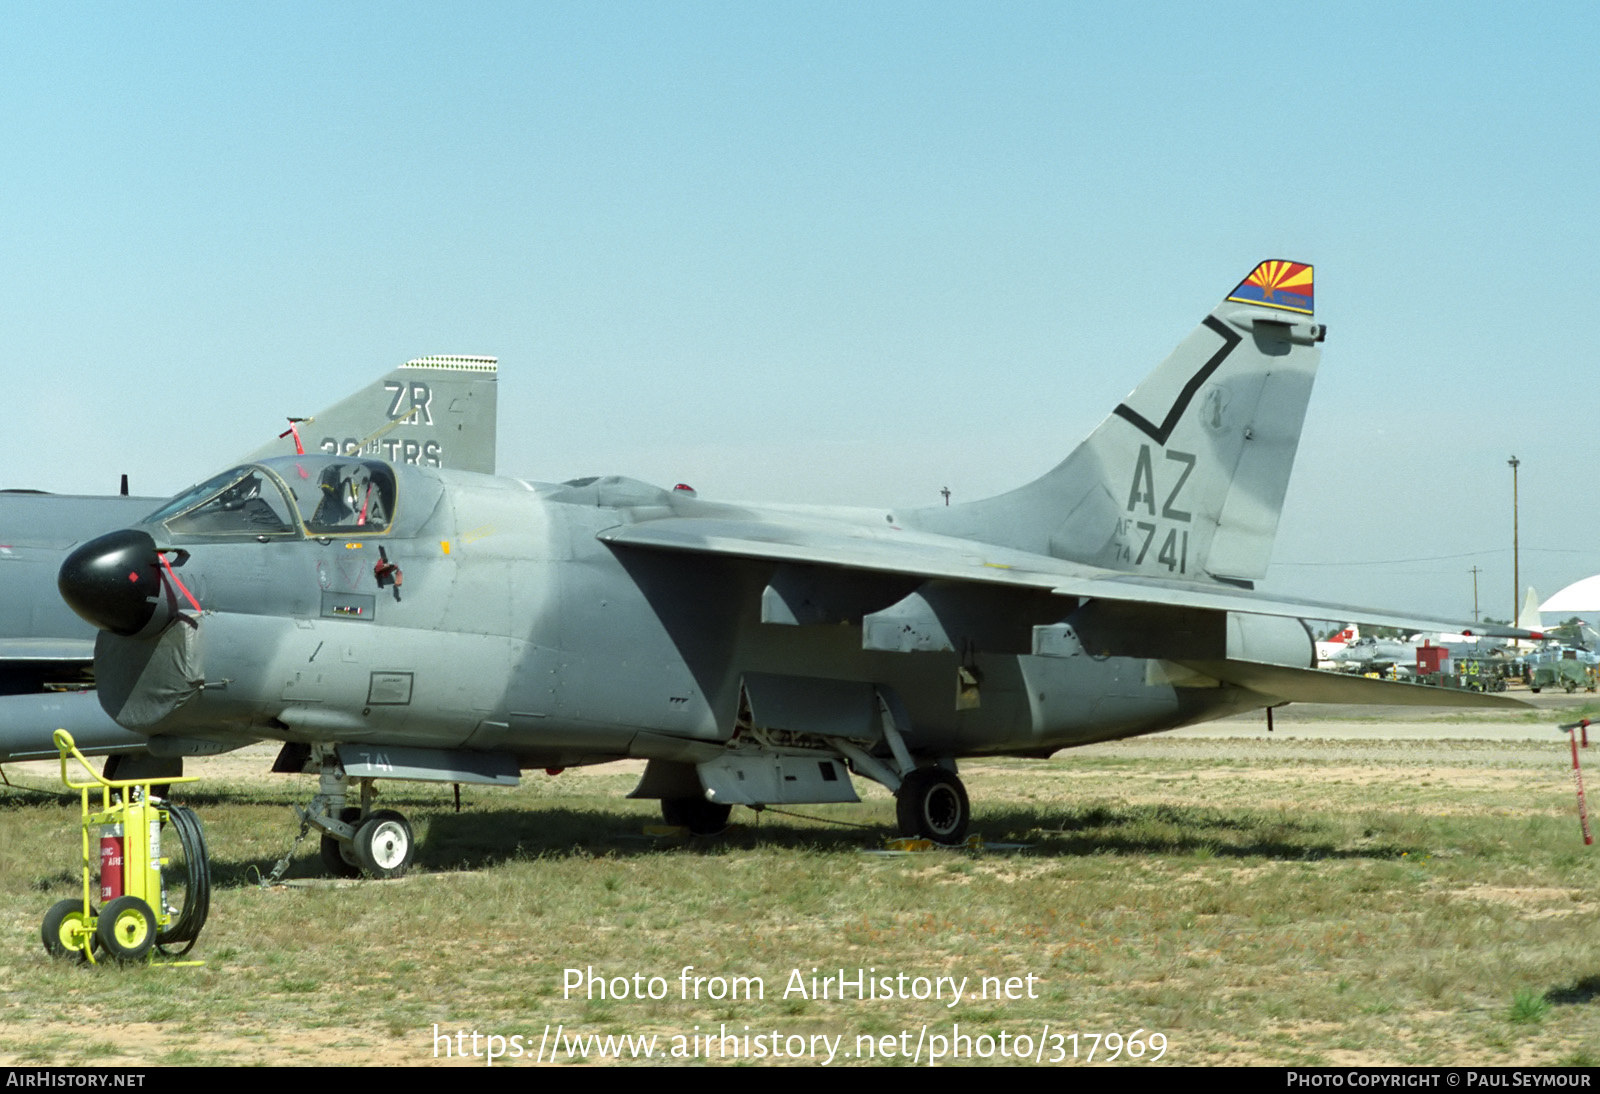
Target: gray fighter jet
(410, 622)
(431, 412)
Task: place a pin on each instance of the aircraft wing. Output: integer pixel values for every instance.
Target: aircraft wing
(47, 649)
(1293, 685)
(914, 554)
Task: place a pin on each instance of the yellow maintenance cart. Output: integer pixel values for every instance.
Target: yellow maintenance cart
(150, 904)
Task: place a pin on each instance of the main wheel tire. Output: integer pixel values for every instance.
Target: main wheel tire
(127, 928)
(932, 804)
(700, 817)
(384, 846)
(67, 931)
(338, 856)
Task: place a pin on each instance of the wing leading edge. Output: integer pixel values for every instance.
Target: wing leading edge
(939, 558)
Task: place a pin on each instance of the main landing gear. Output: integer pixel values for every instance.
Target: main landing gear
(930, 801)
(932, 804)
(761, 766)
(700, 817)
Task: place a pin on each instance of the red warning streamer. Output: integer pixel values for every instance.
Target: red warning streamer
(294, 428)
(181, 586)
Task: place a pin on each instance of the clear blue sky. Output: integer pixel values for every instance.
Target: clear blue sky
(822, 252)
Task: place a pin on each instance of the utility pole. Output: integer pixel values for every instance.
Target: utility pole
(1516, 573)
(1475, 594)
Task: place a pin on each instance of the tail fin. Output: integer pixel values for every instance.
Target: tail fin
(434, 411)
(1528, 618)
(1186, 478)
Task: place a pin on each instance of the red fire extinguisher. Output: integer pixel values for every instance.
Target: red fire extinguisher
(110, 862)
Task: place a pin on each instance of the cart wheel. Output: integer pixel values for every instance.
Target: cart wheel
(338, 857)
(67, 931)
(384, 845)
(127, 928)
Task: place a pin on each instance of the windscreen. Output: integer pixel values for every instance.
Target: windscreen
(328, 495)
(243, 501)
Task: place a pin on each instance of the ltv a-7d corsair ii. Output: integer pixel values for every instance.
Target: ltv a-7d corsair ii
(397, 621)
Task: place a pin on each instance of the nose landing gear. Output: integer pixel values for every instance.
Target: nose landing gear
(357, 840)
(383, 845)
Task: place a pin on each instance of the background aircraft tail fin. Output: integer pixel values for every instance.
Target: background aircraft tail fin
(1187, 476)
(434, 411)
(1529, 618)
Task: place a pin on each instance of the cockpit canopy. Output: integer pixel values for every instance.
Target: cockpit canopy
(324, 495)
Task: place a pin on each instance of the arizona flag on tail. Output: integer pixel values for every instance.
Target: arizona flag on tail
(1277, 284)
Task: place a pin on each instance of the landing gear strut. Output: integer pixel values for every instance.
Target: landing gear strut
(338, 856)
(378, 843)
(932, 804)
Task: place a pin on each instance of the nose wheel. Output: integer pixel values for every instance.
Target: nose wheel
(384, 846)
(355, 840)
(381, 847)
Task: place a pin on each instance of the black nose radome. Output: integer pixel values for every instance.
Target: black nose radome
(114, 582)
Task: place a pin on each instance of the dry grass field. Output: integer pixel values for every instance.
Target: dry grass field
(1340, 892)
